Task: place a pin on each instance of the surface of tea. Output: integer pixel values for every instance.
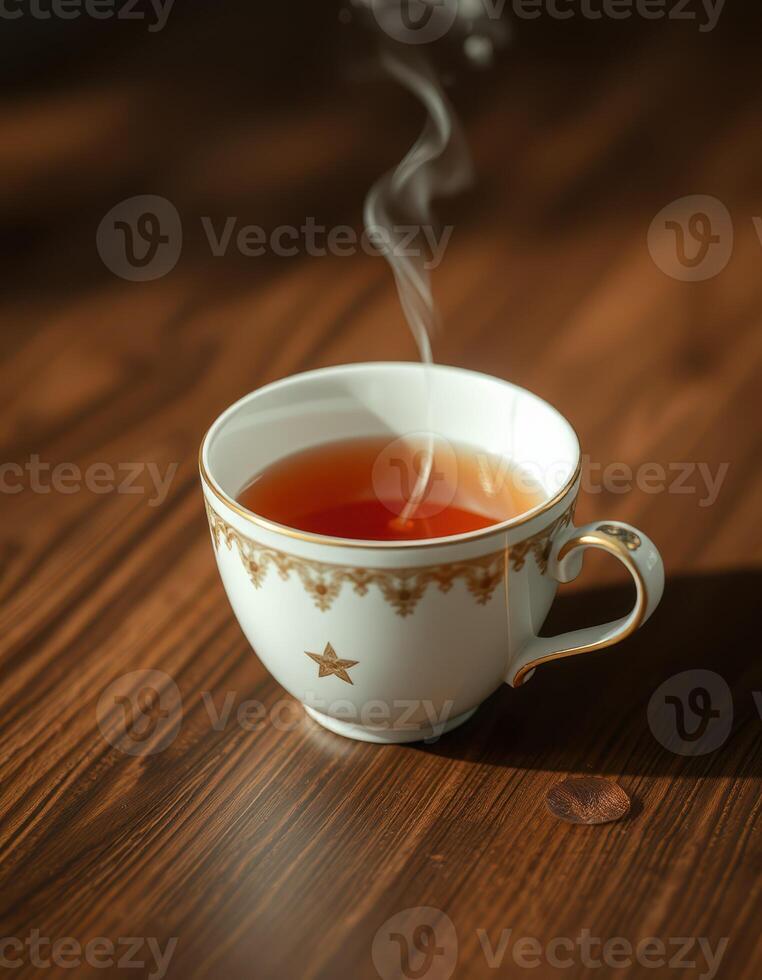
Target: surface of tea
(379, 489)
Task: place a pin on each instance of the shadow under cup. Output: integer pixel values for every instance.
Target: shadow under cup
(415, 628)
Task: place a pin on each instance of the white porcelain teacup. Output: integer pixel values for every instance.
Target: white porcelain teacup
(395, 641)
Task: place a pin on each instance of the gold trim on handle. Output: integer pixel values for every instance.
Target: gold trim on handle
(619, 548)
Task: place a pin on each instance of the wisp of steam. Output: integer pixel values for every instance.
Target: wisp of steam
(438, 164)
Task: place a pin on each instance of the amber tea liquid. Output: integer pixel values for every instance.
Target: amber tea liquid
(377, 489)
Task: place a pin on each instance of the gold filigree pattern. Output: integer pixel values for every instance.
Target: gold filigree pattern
(539, 545)
(402, 588)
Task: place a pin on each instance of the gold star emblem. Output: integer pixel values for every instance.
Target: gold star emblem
(329, 664)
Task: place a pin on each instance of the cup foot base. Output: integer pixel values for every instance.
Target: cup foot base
(386, 736)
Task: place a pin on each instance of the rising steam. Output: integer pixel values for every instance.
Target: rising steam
(437, 164)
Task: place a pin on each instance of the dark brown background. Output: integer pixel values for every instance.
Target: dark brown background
(279, 854)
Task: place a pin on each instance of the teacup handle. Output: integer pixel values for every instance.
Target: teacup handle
(636, 552)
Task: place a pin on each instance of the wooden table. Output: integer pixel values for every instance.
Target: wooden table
(282, 850)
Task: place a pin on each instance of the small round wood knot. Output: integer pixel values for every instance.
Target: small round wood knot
(588, 800)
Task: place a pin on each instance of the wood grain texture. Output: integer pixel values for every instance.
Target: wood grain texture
(272, 848)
